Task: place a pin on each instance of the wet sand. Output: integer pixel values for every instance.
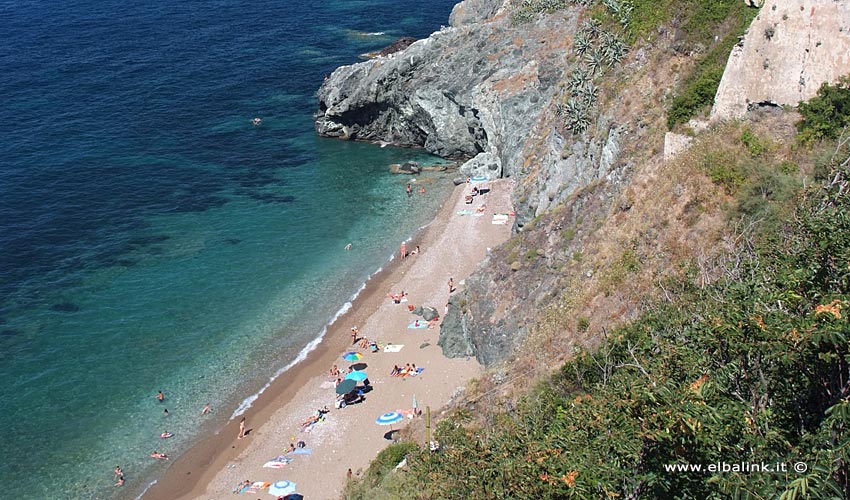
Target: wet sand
(452, 246)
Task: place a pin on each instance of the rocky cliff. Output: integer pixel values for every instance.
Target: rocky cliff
(483, 90)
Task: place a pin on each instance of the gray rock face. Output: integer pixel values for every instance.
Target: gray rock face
(473, 11)
(478, 89)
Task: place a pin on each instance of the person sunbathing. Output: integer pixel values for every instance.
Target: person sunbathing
(159, 456)
(312, 419)
(395, 371)
(481, 209)
(364, 343)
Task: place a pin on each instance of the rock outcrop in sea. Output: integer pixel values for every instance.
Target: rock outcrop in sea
(483, 91)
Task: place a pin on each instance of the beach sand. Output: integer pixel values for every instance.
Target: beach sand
(451, 247)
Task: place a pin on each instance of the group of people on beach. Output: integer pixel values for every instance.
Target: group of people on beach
(402, 250)
(408, 369)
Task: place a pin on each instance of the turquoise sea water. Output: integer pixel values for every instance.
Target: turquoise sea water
(151, 237)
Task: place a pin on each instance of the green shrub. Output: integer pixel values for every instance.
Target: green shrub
(724, 169)
(827, 114)
(387, 460)
(700, 87)
(755, 145)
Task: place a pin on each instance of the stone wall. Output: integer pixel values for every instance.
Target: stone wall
(791, 48)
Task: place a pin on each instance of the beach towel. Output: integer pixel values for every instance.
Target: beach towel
(393, 347)
(500, 218)
(275, 464)
(478, 214)
(422, 324)
(301, 451)
(464, 212)
(241, 488)
(257, 486)
(417, 372)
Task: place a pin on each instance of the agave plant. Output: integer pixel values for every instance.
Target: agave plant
(588, 93)
(582, 43)
(614, 52)
(560, 109)
(577, 115)
(612, 48)
(594, 61)
(578, 77)
(591, 27)
(626, 9)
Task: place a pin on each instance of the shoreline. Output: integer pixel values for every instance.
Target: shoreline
(192, 472)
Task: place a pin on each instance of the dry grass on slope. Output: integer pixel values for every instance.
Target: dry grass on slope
(616, 250)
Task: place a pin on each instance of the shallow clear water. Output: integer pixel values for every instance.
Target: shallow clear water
(152, 238)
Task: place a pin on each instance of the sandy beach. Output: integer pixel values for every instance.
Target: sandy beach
(349, 438)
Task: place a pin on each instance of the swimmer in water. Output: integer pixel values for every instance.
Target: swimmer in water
(256, 121)
(348, 247)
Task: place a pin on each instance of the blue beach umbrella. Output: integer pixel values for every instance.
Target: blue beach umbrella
(281, 488)
(356, 376)
(352, 356)
(389, 418)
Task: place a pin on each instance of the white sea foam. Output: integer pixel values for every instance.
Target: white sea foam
(147, 487)
(302, 355)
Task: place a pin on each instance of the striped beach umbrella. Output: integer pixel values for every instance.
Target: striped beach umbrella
(281, 488)
(389, 418)
(352, 356)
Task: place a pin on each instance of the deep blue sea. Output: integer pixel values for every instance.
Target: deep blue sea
(153, 238)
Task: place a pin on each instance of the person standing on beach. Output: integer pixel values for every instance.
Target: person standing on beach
(403, 250)
(451, 285)
(242, 428)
